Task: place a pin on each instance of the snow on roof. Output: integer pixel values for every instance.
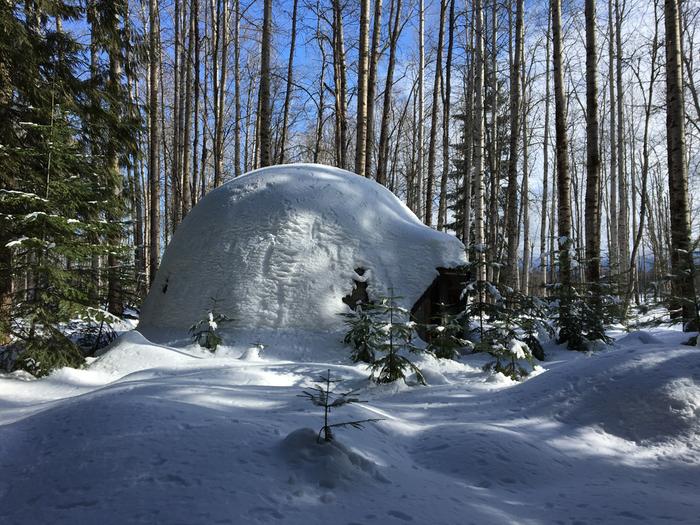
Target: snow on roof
(278, 248)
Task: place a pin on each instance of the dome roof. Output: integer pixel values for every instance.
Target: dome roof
(279, 248)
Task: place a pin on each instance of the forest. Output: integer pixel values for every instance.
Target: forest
(558, 141)
(349, 261)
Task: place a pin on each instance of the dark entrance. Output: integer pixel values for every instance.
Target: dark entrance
(447, 289)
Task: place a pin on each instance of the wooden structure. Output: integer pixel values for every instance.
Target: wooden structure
(444, 295)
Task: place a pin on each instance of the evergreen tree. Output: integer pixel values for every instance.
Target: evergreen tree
(394, 334)
(362, 333)
(53, 185)
(447, 336)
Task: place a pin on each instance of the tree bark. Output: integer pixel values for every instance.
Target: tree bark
(525, 199)
(512, 192)
(187, 120)
(153, 145)
(383, 154)
(592, 159)
(265, 103)
(237, 87)
(563, 175)
(468, 183)
(432, 153)
(479, 215)
(375, 54)
(420, 135)
(339, 76)
(623, 210)
(545, 160)
(288, 91)
(613, 242)
(115, 298)
(683, 303)
(197, 87)
(446, 103)
(362, 74)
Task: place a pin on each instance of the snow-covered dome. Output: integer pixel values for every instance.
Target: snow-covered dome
(280, 247)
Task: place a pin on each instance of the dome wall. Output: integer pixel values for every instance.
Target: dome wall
(278, 248)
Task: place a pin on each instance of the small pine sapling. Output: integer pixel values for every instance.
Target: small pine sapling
(361, 335)
(205, 332)
(510, 335)
(508, 359)
(582, 311)
(394, 335)
(322, 396)
(446, 337)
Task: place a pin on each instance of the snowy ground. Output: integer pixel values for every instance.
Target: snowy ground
(157, 434)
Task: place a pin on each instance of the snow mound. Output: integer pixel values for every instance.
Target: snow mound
(132, 352)
(637, 338)
(279, 248)
(642, 395)
(329, 465)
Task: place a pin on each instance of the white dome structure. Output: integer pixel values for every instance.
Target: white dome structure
(281, 247)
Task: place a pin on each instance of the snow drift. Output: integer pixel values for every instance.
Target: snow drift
(279, 248)
(209, 438)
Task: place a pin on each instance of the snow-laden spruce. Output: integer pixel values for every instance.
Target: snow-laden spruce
(279, 248)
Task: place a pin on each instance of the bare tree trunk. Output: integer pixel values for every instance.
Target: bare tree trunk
(288, 91)
(167, 213)
(383, 154)
(115, 299)
(175, 189)
(420, 135)
(623, 211)
(592, 159)
(186, 183)
(153, 145)
(613, 242)
(237, 87)
(442, 208)
(197, 87)
(220, 60)
(321, 89)
(265, 133)
(208, 47)
(339, 75)
(432, 153)
(362, 73)
(545, 161)
(492, 236)
(375, 54)
(512, 192)
(468, 183)
(648, 100)
(563, 176)
(525, 199)
(683, 303)
(479, 215)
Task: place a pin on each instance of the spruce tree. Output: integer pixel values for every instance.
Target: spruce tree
(53, 186)
(394, 334)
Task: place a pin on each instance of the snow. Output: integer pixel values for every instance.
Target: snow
(277, 249)
(151, 433)
(16, 242)
(518, 349)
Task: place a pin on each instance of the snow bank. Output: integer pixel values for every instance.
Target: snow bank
(132, 352)
(608, 438)
(648, 394)
(278, 248)
(328, 465)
